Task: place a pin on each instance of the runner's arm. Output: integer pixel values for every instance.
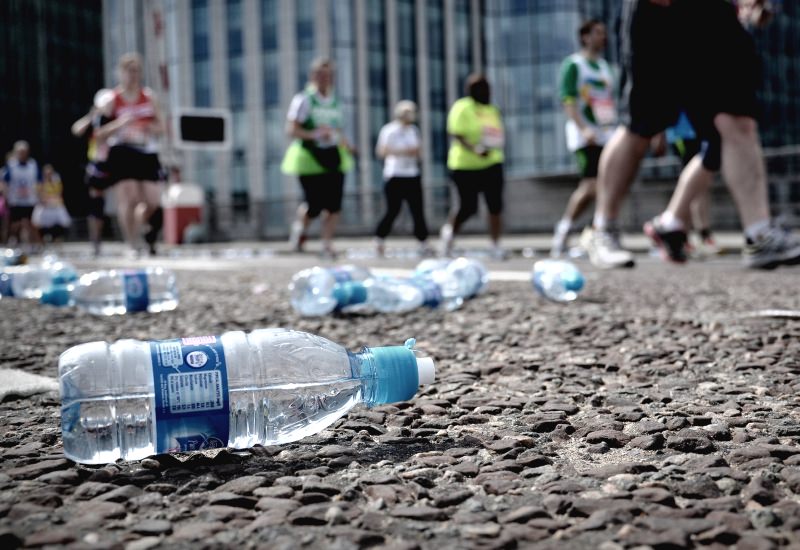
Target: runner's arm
(80, 126)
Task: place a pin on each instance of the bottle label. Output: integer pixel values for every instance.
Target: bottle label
(137, 293)
(430, 290)
(191, 391)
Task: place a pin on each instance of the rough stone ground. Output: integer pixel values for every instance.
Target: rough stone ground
(648, 414)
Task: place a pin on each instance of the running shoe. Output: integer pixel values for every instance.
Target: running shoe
(604, 250)
(446, 240)
(672, 244)
(773, 248)
(296, 236)
(559, 246)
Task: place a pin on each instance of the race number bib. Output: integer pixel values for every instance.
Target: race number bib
(605, 113)
(492, 138)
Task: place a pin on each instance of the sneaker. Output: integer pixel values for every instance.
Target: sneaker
(703, 247)
(380, 248)
(498, 253)
(446, 238)
(559, 246)
(296, 236)
(604, 250)
(773, 248)
(672, 244)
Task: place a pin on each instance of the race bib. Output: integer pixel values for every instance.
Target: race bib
(492, 138)
(605, 113)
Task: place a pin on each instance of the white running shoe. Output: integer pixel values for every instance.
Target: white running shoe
(604, 250)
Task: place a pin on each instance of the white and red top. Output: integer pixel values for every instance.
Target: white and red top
(138, 133)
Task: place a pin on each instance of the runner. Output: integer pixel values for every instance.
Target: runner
(722, 67)
(475, 161)
(21, 176)
(50, 216)
(586, 85)
(398, 144)
(319, 155)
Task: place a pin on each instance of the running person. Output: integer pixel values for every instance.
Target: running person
(319, 155)
(50, 216)
(133, 136)
(21, 176)
(399, 146)
(700, 161)
(722, 67)
(97, 177)
(586, 84)
(475, 161)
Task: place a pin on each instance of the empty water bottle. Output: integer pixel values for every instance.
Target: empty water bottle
(31, 281)
(132, 399)
(459, 279)
(557, 280)
(118, 292)
(13, 256)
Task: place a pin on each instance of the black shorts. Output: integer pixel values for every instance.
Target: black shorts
(98, 176)
(489, 182)
(588, 160)
(692, 56)
(323, 192)
(710, 150)
(129, 163)
(19, 213)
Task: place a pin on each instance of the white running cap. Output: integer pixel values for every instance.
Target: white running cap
(426, 370)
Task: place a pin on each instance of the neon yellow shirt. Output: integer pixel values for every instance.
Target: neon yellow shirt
(478, 124)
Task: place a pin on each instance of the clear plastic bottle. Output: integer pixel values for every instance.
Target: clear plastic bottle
(557, 280)
(31, 281)
(132, 399)
(118, 292)
(12, 256)
(459, 279)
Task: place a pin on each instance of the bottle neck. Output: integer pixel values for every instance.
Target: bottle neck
(388, 374)
(349, 294)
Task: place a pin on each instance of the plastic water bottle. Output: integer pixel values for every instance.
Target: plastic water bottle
(32, 281)
(13, 256)
(118, 292)
(132, 399)
(459, 279)
(557, 280)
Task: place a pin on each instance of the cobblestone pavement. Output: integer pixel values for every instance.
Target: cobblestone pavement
(653, 412)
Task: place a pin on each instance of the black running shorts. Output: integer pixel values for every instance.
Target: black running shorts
(323, 192)
(693, 56)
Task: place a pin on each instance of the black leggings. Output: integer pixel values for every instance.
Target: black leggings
(471, 183)
(398, 190)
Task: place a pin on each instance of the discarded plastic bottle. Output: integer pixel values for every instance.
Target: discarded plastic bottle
(31, 281)
(13, 256)
(459, 279)
(118, 292)
(557, 280)
(132, 399)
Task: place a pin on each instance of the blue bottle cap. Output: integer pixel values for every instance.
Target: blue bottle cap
(56, 295)
(397, 374)
(349, 294)
(573, 280)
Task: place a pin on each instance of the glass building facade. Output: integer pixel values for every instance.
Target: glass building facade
(51, 62)
(252, 56)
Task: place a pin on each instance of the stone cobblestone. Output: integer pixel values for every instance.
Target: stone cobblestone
(648, 414)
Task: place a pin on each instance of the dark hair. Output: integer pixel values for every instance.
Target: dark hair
(587, 27)
(477, 87)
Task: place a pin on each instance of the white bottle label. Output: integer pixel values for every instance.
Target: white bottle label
(191, 393)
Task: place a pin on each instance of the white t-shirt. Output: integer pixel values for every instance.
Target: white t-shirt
(396, 135)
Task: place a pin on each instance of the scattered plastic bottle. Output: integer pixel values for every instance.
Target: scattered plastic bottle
(133, 399)
(13, 256)
(557, 280)
(118, 292)
(31, 281)
(459, 279)
(319, 291)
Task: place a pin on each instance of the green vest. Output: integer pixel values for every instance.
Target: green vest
(299, 160)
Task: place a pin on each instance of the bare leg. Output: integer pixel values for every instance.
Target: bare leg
(128, 198)
(495, 228)
(151, 191)
(581, 198)
(619, 164)
(694, 182)
(329, 223)
(701, 211)
(743, 167)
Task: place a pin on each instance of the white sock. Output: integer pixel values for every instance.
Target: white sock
(563, 226)
(600, 222)
(755, 230)
(670, 223)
